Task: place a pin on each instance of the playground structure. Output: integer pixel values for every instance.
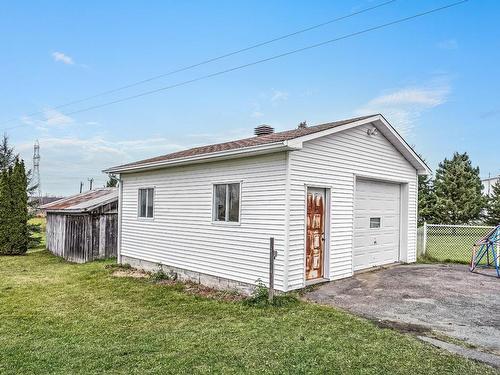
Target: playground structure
(485, 252)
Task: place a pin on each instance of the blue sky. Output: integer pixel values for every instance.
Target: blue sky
(434, 78)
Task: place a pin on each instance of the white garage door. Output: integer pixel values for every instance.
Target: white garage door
(376, 224)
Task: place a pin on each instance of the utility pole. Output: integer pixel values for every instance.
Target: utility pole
(81, 187)
(91, 181)
(36, 169)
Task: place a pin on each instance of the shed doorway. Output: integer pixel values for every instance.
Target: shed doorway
(316, 225)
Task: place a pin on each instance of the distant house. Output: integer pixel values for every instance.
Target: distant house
(83, 227)
(488, 184)
(337, 198)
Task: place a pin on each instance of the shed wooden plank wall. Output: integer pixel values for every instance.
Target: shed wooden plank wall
(55, 231)
(82, 238)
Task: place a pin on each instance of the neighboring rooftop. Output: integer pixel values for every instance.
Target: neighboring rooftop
(45, 199)
(257, 140)
(84, 202)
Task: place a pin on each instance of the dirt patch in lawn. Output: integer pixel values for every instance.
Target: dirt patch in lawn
(137, 274)
(204, 291)
(402, 327)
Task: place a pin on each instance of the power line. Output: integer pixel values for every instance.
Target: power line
(239, 67)
(204, 62)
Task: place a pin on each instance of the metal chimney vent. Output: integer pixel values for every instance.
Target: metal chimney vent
(263, 130)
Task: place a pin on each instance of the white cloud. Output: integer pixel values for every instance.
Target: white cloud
(51, 118)
(54, 117)
(403, 107)
(448, 44)
(278, 96)
(61, 57)
(411, 96)
(68, 160)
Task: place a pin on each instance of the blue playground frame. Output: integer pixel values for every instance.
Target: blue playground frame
(487, 246)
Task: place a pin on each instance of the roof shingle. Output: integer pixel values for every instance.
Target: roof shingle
(243, 143)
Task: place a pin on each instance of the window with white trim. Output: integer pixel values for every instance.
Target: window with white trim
(146, 202)
(226, 204)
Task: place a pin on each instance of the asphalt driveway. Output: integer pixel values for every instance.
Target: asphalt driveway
(447, 299)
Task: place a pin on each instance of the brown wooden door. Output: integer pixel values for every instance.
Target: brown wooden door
(315, 233)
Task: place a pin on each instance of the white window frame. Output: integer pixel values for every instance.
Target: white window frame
(214, 209)
(139, 203)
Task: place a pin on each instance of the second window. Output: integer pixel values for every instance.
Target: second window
(227, 202)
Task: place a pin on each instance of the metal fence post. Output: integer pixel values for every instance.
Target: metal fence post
(425, 237)
(272, 255)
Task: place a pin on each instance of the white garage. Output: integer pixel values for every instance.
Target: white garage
(376, 224)
(334, 198)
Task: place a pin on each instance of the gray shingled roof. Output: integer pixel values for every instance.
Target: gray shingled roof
(243, 143)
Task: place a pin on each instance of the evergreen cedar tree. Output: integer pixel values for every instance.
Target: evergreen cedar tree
(112, 182)
(426, 200)
(14, 232)
(455, 197)
(493, 209)
(7, 154)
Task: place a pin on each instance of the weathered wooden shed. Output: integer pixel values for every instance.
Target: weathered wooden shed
(83, 227)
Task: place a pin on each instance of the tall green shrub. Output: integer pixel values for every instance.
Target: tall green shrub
(20, 207)
(6, 203)
(8, 157)
(14, 233)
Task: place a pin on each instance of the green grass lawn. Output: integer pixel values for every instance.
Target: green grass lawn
(42, 222)
(62, 318)
(445, 246)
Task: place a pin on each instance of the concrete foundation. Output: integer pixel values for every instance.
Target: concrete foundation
(191, 276)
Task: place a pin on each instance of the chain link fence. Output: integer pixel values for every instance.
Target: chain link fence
(449, 243)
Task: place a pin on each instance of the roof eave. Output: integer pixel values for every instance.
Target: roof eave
(204, 158)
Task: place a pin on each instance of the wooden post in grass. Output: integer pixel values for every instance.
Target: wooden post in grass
(272, 255)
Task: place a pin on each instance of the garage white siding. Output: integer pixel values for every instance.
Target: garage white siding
(333, 161)
(376, 224)
(182, 233)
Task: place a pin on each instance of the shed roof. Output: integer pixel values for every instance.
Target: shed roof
(83, 202)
